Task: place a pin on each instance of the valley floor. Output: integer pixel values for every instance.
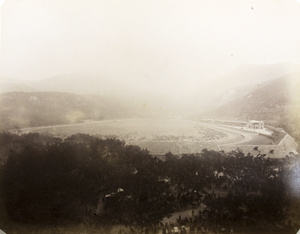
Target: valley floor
(179, 136)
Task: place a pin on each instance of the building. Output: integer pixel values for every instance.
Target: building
(255, 124)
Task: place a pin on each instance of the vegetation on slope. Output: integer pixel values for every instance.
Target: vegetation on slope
(20, 109)
(267, 101)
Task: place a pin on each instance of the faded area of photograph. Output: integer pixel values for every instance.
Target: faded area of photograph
(150, 116)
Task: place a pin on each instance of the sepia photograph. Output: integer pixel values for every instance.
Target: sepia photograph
(149, 116)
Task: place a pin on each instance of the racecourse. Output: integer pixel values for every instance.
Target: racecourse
(160, 136)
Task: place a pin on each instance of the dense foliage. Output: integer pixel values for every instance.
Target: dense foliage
(86, 179)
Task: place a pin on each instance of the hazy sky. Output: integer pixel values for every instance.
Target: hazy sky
(173, 41)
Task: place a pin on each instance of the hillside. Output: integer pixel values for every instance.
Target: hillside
(267, 101)
(48, 108)
(249, 74)
(239, 82)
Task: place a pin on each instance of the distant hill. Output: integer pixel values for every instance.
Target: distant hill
(28, 109)
(80, 83)
(8, 84)
(242, 94)
(89, 83)
(16, 87)
(266, 99)
(77, 82)
(242, 80)
(255, 74)
(269, 101)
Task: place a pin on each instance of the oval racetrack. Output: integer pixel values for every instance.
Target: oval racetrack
(160, 136)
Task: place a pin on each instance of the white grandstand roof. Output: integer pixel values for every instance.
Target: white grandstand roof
(255, 121)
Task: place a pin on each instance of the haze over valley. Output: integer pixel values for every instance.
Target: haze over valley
(94, 97)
